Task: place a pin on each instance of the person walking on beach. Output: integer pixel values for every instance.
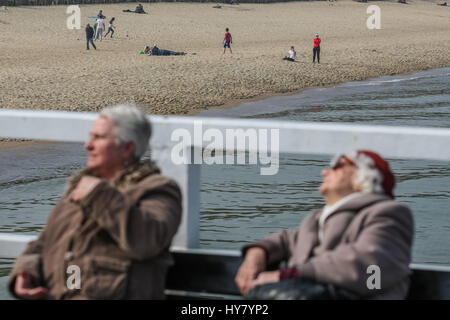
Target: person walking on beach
(89, 36)
(360, 226)
(112, 228)
(316, 48)
(110, 27)
(227, 40)
(292, 55)
(100, 28)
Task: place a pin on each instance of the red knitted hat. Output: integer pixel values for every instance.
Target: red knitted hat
(382, 166)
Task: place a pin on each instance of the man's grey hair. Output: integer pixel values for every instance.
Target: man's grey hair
(131, 125)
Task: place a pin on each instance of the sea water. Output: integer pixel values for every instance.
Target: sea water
(238, 205)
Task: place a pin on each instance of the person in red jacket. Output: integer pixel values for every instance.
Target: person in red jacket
(316, 48)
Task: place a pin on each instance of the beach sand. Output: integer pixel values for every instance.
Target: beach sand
(44, 65)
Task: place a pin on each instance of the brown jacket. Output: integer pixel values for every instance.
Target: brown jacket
(118, 235)
(368, 230)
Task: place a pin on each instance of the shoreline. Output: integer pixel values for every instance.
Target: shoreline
(6, 143)
(237, 102)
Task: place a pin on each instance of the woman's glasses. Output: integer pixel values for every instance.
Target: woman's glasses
(342, 162)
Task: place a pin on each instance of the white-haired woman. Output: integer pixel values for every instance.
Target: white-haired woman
(360, 228)
(109, 235)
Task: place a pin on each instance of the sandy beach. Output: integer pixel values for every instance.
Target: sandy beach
(44, 65)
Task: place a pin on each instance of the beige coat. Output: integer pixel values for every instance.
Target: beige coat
(119, 236)
(368, 230)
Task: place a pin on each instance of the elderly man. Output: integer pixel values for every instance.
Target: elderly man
(109, 235)
(360, 226)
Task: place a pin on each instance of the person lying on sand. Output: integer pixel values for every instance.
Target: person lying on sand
(442, 4)
(139, 9)
(155, 51)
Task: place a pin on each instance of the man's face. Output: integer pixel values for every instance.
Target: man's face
(338, 181)
(104, 156)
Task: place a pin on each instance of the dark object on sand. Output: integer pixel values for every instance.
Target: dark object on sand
(139, 9)
(442, 4)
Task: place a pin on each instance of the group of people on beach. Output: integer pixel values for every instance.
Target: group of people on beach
(292, 54)
(96, 32)
(118, 216)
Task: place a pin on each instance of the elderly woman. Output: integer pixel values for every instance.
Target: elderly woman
(361, 228)
(109, 235)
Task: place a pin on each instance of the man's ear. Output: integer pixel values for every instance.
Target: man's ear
(130, 149)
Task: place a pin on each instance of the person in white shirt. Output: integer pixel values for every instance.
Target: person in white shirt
(292, 55)
(100, 28)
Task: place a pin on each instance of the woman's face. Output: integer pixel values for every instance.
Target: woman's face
(105, 157)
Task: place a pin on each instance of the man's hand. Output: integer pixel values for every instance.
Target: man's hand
(24, 289)
(84, 187)
(254, 263)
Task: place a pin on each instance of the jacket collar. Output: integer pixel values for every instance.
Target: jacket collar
(130, 175)
(364, 200)
(356, 204)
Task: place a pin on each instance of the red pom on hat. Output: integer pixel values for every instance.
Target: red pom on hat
(383, 167)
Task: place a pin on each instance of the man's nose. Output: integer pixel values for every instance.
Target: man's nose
(88, 145)
(324, 172)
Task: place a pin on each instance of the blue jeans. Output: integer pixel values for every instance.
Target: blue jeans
(92, 42)
(163, 52)
(110, 30)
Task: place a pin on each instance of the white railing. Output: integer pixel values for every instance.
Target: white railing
(294, 137)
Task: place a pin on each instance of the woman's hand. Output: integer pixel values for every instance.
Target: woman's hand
(266, 277)
(254, 263)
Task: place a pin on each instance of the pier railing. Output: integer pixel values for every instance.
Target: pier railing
(294, 137)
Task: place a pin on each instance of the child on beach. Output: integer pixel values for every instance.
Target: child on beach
(292, 55)
(227, 40)
(110, 27)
